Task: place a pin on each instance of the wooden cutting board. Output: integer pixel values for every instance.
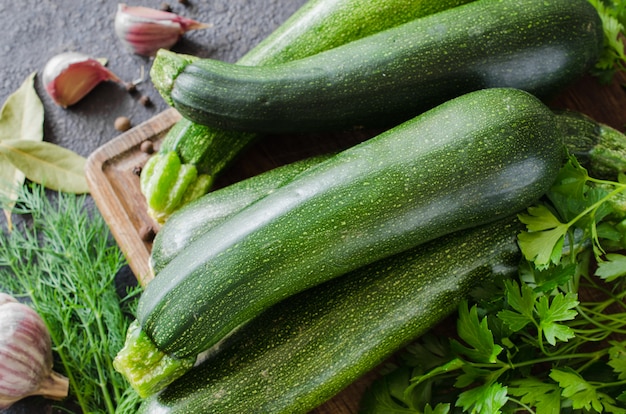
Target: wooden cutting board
(112, 173)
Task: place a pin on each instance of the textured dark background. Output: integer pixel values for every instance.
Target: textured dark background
(36, 30)
(40, 29)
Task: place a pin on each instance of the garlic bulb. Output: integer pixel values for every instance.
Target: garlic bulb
(144, 30)
(69, 76)
(26, 355)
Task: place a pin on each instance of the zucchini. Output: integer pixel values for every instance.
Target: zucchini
(598, 147)
(318, 25)
(303, 351)
(471, 160)
(199, 216)
(539, 46)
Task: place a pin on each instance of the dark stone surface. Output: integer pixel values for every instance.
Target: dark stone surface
(40, 29)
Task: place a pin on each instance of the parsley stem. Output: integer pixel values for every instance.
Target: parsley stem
(521, 404)
(609, 384)
(530, 362)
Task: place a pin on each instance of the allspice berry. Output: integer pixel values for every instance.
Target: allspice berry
(147, 146)
(122, 123)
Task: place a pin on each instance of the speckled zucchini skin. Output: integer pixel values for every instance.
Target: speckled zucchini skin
(472, 160)
(325, 24)
(536, 45)
(309, 347)
(202, 214)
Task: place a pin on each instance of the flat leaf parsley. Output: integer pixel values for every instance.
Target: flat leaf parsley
(553, 340)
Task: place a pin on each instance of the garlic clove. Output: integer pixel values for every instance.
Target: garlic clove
(144, 30)
(26, 355)
(68, 77)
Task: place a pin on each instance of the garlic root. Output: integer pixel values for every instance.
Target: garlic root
(55, 387)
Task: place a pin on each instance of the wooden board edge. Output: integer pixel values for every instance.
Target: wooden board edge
(124, 228)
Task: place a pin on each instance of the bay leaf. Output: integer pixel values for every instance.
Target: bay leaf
(21, 117)
(50, 165)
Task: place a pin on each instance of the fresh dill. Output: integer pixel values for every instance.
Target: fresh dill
(62, 260)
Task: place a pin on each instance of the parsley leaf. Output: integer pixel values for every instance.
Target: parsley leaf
(544, 396)
(543, 242)
(582, 394)
(613, 267)
(551, 313)
(612, 59)
(522, 300)
(617, 361)
(484, 399)
(476, 334)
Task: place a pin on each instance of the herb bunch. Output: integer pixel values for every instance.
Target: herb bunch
(61, 260)
(552, 340)
(613, 58)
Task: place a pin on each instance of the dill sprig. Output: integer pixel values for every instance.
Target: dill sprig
(62, 259)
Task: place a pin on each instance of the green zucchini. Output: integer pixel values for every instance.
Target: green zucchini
(539, 46)
(303, 351)
(471, 160)
(192, 155)
(197, 217)
(598, 147)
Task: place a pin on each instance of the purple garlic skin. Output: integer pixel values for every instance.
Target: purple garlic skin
(25, 353)
(68, 77)
(144, 30)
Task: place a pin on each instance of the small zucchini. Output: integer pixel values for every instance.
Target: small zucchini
(474, 159)
(192, 155)
(535, 45)
(309, 347)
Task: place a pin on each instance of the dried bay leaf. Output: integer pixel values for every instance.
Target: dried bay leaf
(21, 117)
(50, 165)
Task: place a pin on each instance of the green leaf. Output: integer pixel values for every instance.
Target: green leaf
(48, 164)
(613, 267)
(522, 300)
(617, 359)
(558, 310)
(542, 244)
(547, 280)
(571, 180)
(440, 408)
(477, 335)
(545, 397)
(539, 218)
(485, 399)
(612, 57)
(21, 117)
(574, 387)
(471, 375)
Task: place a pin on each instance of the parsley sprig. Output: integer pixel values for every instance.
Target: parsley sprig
(552, 340)
(613, 57)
